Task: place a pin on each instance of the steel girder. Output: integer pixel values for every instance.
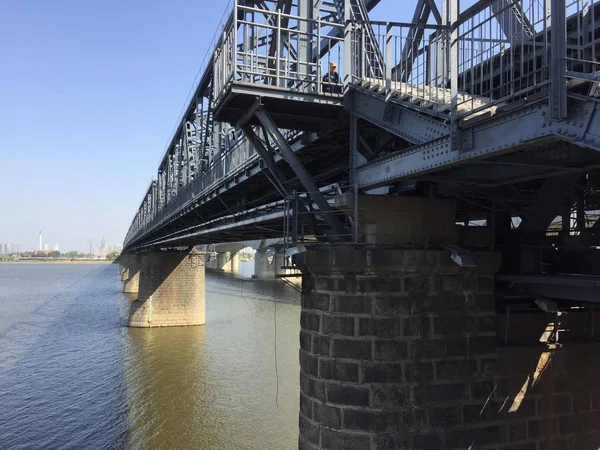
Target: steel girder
(513, 21)
(414, 127)
(501, 134)
(548, 203)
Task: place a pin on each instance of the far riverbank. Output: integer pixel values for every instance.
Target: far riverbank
(57, 261)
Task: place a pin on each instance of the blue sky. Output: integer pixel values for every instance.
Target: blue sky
(89, 94)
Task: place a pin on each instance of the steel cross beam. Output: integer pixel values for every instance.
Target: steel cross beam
(411, 46)
(307, 182)
(512, 20)
(276, 177)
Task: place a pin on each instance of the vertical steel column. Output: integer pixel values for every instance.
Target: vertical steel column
(185, 155)
(353, 166)
(452, 19)
(349, 69)
(305, 30)
(443, 50)
(558, 46)
(389, 50)
(168, 173)
(155, 198)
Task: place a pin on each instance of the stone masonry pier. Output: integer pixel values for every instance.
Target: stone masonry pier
(400, 350)
(171, 291)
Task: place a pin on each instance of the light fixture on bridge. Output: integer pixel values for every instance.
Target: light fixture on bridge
(461, 256)
(269, 252)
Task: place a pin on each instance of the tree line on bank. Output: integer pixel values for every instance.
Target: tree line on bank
(73, 254)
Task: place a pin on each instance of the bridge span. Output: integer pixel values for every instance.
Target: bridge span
(440, 199)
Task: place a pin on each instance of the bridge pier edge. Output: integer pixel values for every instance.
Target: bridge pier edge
(262, 268)
(233, 263)
(172, 290)
(131, 274)
(123, 260)
(393, 344)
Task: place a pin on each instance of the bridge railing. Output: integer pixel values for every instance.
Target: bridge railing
(409, 66)
(582, 60)
(504, 53)
(284, 51)
(235, 159)
(496, 52)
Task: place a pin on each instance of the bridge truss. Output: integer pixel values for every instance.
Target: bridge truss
(495, 106)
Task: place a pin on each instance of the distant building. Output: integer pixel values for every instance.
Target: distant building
(14, 249)
(2, 249)
(6, 249)
(114, 248)
(56, 248)
(44, 252)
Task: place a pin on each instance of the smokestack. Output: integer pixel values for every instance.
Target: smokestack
(40, 247)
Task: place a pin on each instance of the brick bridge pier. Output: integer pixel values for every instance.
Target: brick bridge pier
(404, 349)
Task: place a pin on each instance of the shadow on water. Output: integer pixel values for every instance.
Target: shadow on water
(249, 288)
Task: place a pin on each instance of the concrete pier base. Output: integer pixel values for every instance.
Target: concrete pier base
(171, 290)
(131, 280)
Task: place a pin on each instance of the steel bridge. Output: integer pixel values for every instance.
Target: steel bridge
(495, 106)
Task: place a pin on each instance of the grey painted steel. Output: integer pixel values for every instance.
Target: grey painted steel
(495, 136)
(302, 174)
(550, 200)
(558, 89)
(199, 163)
(578, 288)
(513, 20)
(277, 178)
(415, 127)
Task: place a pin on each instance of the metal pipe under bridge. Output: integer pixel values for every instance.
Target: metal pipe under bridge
(436, 185)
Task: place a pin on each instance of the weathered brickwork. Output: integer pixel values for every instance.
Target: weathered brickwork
(406, 356)
(548, 395)
(171, 290)
(131, 282)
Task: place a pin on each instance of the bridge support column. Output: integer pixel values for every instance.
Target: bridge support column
(233, 263)
(222, 259)
(131, 283)
(278, 261)
(398, 350)
(171, 290)
(123, 260)
(262, 268)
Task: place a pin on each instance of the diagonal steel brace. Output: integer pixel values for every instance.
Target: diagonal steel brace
(307, 182)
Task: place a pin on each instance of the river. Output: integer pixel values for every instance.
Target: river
(73, 376)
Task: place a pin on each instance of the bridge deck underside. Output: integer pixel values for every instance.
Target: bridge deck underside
(242, 201)
(289, 110)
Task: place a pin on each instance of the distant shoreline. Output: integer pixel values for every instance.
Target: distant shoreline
(58, 261)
